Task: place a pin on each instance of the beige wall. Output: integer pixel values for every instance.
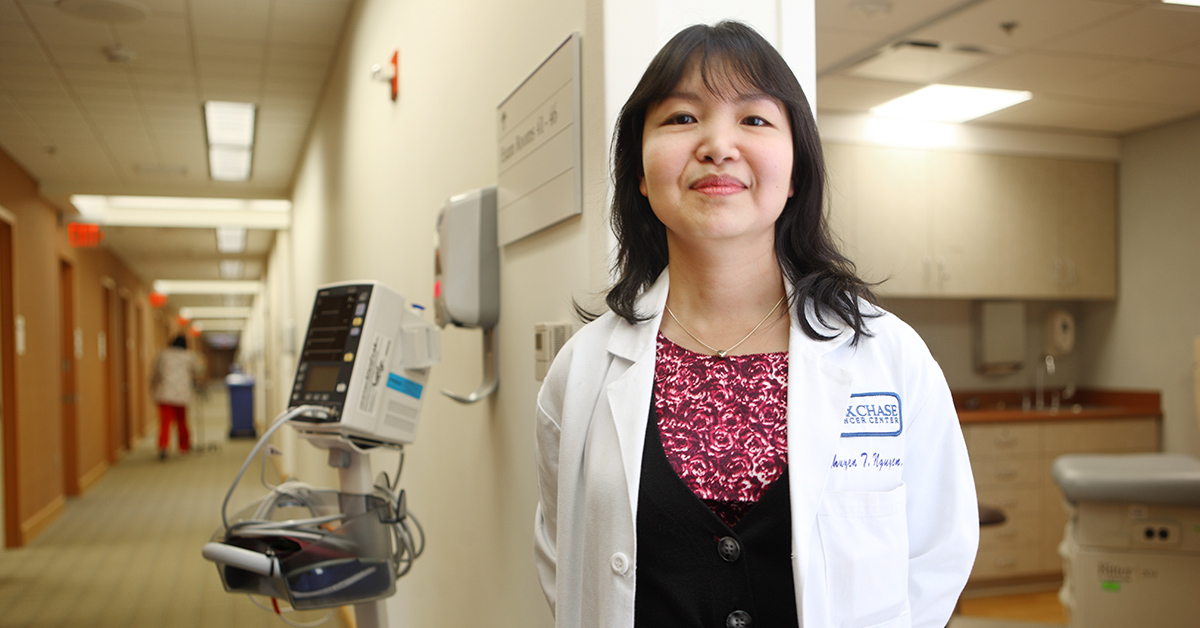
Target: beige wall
(373, 177)
(1144, 340)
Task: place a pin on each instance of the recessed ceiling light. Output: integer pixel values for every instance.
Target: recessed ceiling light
(231, 239)
(229, 163)
(232, 268)
(949, 103)
(230, 131)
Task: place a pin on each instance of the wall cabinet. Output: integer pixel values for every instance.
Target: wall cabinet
(963, 225)
(1011, 462)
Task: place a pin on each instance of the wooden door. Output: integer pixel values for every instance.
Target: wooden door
(70, 414)
(8, 405)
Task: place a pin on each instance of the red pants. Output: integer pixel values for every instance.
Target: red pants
(167, 414)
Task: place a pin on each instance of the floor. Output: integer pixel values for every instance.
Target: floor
(1026, 610)
(127, 553)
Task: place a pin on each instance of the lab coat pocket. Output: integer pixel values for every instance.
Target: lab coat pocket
(864, 542)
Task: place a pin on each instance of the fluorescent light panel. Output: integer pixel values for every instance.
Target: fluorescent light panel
(194, 313)
(197, 286)
(949, 103)
(232, 269)
(230, 128)
(231, 239)
(1186, 3)
(229, 123)
(229, 163)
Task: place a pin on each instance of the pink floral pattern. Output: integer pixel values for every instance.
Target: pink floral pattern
(723, 423)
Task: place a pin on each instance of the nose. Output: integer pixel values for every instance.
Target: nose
(718, 143)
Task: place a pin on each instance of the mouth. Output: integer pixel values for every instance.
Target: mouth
(718, 185)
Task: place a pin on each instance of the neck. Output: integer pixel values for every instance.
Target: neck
(720, 295)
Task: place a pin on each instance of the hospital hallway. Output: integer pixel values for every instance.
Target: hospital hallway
(126, 554)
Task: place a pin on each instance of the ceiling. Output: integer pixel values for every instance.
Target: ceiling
(114, 108)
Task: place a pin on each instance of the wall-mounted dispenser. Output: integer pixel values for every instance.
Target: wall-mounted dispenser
(467, 276)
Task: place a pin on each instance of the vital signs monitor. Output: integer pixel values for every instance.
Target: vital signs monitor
(365, 360)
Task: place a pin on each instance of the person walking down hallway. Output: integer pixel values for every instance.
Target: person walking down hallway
(172, 384)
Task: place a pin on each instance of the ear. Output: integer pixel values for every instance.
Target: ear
(642, 185)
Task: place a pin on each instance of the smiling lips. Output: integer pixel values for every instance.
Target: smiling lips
(718, 185)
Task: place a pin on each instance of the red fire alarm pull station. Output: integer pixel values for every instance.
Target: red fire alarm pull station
(395, 75)
(84, 235)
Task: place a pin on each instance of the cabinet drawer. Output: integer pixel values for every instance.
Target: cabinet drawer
(1011, 501)
(1018, 530)
(1100, 436)
(1001, 440)
(1016, 470)
(1006, 563)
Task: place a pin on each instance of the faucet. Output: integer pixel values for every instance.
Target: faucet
(1046, 368)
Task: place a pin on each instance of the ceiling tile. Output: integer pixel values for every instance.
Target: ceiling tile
(10, 14)
(1151, 30)
(221, 69)
(96, 75)
(1056, 113)
(168, 82)
(840, 14)
(284, 52)
(163, 31)
(1037, 21)
(14, 53)
(1041, 71)
(216, 19)
(1150, 83)
(15, 32)
(841, 93)
(1187, 54)
(54, 27)
(240, 50)
(166, 6)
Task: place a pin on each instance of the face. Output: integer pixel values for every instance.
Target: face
(716, 169)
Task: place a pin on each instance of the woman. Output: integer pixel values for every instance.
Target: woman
(744, 439)
(172, 383)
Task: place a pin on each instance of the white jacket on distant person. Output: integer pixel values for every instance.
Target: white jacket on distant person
(174, 378)
(885, 524)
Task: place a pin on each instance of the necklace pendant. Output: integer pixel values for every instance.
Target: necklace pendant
(721, 354)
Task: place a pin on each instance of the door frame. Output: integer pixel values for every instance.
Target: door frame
(8, 381)
(70, 379)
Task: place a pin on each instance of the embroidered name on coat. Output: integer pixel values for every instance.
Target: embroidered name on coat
(873, 414)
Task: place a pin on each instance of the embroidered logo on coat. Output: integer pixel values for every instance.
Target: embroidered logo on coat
(873, 414)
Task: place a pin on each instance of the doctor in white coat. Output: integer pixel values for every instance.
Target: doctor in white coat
(719, 214)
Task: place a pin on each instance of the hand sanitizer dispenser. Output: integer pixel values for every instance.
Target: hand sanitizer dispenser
(467, 262)
(466, 289)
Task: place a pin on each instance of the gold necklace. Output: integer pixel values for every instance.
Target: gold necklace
(719, 352)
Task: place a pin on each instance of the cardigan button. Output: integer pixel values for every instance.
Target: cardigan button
(738, 619)
(729, 549)
(620, 563)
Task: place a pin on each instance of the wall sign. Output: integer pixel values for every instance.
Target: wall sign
(539, 151)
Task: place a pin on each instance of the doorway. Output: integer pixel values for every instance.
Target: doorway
(70, 415)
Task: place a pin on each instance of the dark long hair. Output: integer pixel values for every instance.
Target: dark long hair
(731, 56)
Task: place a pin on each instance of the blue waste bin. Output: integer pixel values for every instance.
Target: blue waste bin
(241, 405)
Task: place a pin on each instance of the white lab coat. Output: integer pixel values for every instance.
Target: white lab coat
(884, 518)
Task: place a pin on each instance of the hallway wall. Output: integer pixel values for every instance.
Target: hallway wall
(35, 480)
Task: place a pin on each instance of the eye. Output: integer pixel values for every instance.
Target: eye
(755, 121)
(681, 118)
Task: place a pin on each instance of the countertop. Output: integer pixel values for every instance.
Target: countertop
(989, 406)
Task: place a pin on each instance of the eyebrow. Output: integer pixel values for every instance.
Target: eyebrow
(740, 99)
